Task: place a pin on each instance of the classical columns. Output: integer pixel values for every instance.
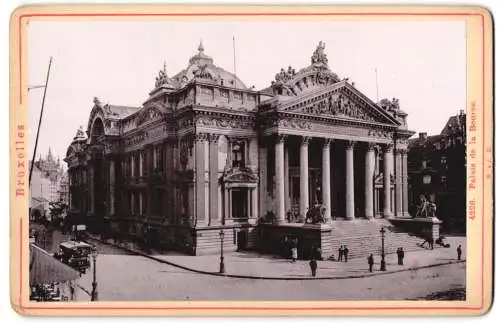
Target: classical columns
(404, 162)
(141, 163)
(304, 177)
(287, 179)
(279, 174)
(349, 183)
(201, 215)
(398, 183)
(263, 178)
(111, 187)
(369, 170)
(325, 173)
(388, 160)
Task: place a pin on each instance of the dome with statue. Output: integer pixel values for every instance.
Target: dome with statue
(201, 67)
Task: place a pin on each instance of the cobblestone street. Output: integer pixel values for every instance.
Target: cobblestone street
(123, 276)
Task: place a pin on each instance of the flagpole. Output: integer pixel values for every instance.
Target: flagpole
(234, 56)
(40, 120)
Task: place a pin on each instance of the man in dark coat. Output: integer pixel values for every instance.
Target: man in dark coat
(314, 266)
(341, 253)
(401, 256)
(370, 262)
(459, 252)
(346, 252)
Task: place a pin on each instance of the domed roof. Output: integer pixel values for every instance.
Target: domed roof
(201, 67)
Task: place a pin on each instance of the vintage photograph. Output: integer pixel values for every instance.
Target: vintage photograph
(247, 160)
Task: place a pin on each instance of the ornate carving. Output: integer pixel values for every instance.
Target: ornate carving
(305, 140)
(201, 137)
(319, 56)
(371, 146)
(349, 144)
(327, 142)
(218, 122)
(214, 138)
(97, 102)
(379, 133)
(284, 76)
(162, 79)
(294, 124)
(281, 138)
(388, 148)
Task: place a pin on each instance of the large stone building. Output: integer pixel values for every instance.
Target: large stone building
(48, 184)
(205, 152)
(437, 171)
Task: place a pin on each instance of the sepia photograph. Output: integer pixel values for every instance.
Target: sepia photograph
(247, 159)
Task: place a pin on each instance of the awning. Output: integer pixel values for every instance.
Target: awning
(44, 269)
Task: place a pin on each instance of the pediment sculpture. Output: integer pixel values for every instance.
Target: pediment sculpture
(319, 56)
(239, 175)
(338, 105)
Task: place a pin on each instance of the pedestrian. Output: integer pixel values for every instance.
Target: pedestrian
(341, 252)
(459, 252)
(314, 266)
(431, 242)
(346, 252)
(370, 262)
(401, 256)
(294, 254)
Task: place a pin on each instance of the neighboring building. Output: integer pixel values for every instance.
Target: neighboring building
(203, 153)
(47, 185)
(437, 171)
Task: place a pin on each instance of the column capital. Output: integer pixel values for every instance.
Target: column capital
(201, 137)
(371, 146)
(400, 151)
(305, 140)
(214, 138)
(349, 144)
(327, 142)
(281, 138)
(388, 148)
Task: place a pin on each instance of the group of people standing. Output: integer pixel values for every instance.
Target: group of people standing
(343, 253)
(401, 256)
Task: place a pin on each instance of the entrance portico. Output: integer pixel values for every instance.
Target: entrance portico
(329, 148)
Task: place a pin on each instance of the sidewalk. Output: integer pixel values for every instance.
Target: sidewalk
(261, 266)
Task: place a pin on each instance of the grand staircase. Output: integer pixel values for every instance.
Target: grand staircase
(363, 237)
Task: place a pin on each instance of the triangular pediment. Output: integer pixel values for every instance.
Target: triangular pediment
(340, 100)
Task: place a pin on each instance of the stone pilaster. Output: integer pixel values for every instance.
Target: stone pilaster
(112, 187)
(287, 179)
(213, 178)
(369, 172)
(325, 173)
(349, 187)
(279, 175)
(263, 179)
(388, 161)
(201, 212)
(404, 178)
(398, 183)
(304, 177)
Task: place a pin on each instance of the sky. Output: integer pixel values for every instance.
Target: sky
(422, 63)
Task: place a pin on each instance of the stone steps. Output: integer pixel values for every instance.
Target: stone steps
(363, 237)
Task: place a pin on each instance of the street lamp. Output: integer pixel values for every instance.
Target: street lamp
(221, 268)
(382, 262)
(94, 281)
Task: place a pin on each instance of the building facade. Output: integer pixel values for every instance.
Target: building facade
(437, 171)
(48, 184)
(205, 152)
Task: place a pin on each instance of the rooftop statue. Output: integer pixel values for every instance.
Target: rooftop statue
(319, 56)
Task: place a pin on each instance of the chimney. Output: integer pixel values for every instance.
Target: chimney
(422, 135)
